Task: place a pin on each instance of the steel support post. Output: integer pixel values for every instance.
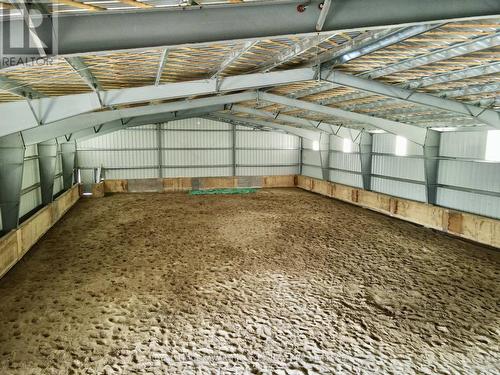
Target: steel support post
(68, 151)
(47, 158)
(159, 143)
(365, 154)
(233, 158)
(301, 150)
(11, 179)
(431, 164)
(324, 154)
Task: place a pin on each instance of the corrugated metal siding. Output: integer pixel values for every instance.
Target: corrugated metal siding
(468, 174)
(472, 175)
(386, 144)
(399, 167)
(31, 176)
(470, 202)
(463, 144)
(190, 148)
(399, 189)
(346, 178)
(345, 161)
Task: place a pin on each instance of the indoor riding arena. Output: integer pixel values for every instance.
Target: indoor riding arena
(249, 187)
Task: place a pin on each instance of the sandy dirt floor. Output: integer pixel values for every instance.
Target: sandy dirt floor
(278, 282)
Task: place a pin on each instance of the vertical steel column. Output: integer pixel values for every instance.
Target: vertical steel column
(11, 179)
(431, 164)
(301, 149)
(324, 154)
(159, 143)
(365, 155)
(68, 156)
(233, 133)
(47, 157)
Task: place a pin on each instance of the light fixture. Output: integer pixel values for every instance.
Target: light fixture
(315, 145)
(347, 145)
(401, 146)
(492, 146)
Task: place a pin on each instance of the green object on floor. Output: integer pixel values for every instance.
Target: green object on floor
(223, 191)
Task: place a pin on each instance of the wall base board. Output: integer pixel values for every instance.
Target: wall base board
(17, 242)
(163, 185)
(469, 226)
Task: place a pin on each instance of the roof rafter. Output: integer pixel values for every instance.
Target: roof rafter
(95, 119)
(16, 116)
(233, 56)
(487, 116)
(83, 70)
(340, 131)
(413, 133)
(300, 132)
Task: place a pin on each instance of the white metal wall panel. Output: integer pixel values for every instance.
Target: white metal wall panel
(31, 174)
(337, 144)
(346, 178)
(386, 144)
(345, 161)
(260, 139)
(31, 150)
(198, 172)
(400, 167)
(196, 157)
(196, 139)
(472, 175)
(463, 144)
(311, 157)
(399, 189)
(131, 173)
(122, 139)
(58, 185)
(197, 124)
(470, 202)
(266, 171)
(30, 201)
(267, 157)
(117, 159)
(312, 171)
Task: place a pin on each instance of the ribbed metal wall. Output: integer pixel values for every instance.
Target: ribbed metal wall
(401, 176)
(466, 181)
(31, 196)
(189, 148)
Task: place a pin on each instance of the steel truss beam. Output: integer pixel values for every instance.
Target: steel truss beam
(486, 116)
(413, 133)
(478, 44)
(11, 179)
(308, 134)
(456, 50)
(83, 70)
(104, 31)
(144, 120)
(233, 57)
(19, 89)
(47, 157)
(17, 116)
(296, 50)
(339, 131)
(68, 157)
(455, 75)
(97, 119)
